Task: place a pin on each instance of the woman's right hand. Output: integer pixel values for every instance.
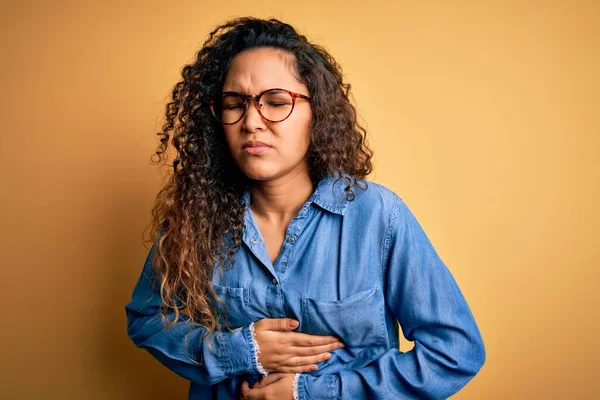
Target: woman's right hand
(282, 350)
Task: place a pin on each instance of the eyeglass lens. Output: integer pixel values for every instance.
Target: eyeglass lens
(274, 105)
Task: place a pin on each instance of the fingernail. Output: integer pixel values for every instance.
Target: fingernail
(328, 355)
(314, 368)
(294, 324)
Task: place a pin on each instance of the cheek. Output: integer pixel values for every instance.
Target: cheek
(231, 137)
(292, 144)
(298, 133)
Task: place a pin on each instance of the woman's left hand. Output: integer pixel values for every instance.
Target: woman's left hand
(276, 385)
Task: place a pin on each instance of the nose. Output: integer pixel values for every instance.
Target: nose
(252, 119)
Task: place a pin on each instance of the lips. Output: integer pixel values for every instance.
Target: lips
(255, 147)
(254, 143)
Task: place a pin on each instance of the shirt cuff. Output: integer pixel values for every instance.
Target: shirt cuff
(237, 352)
(295, 386)
(256, 351)
(324, 387)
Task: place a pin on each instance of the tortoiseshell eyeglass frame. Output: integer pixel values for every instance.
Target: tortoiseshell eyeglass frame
(256, 98)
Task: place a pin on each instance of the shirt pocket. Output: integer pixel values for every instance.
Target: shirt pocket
(237, 300)
(358, 320)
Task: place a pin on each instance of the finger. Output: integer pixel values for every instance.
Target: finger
(314, 350)
(255, 393)
(276, 324)
(245, 390)
(305, 339)
(259, 384)
(283, 324)
(267, 380)
(294, 370)
(303, 361)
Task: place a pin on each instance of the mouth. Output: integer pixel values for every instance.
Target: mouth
(255, 147)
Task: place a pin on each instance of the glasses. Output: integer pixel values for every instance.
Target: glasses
(274, 105)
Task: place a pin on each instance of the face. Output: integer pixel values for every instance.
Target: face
(250, 73)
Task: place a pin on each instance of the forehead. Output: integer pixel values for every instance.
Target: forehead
(255, 70)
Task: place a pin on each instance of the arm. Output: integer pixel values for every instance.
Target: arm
(232, 353)
(421, 292)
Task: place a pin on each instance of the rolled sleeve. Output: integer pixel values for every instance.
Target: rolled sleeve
(185, 348)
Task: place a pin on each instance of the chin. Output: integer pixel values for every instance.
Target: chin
(260, 170)
(261, 174)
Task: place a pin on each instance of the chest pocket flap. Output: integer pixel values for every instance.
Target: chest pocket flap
(237, 300)
(358, 320)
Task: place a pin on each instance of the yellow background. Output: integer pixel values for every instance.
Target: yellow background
(483, 117)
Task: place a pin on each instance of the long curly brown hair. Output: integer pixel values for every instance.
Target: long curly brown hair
(198, 215)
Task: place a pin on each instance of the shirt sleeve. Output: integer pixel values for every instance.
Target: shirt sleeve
(423, 295)
(182, 348)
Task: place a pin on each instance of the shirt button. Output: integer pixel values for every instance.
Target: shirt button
(254, 241)
(274, 281)
(291, 239)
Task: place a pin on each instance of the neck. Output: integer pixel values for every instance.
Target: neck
(280, 199)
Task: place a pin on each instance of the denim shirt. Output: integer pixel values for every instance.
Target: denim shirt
(353, 269)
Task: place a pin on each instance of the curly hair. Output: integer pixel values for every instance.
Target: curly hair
(198, 215)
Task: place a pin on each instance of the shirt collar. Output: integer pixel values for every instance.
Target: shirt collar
(329, 194)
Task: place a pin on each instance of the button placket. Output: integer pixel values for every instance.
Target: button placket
(293, 232)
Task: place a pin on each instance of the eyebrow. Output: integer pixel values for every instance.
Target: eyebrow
(244, 93)
(241, 91)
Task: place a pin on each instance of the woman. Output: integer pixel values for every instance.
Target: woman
(279, 271)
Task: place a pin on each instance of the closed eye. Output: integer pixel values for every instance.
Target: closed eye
(232, 107)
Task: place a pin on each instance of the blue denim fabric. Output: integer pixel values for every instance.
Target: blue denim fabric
(346, 268)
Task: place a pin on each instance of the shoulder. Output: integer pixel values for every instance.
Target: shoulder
(372, 194)
(374, 198)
